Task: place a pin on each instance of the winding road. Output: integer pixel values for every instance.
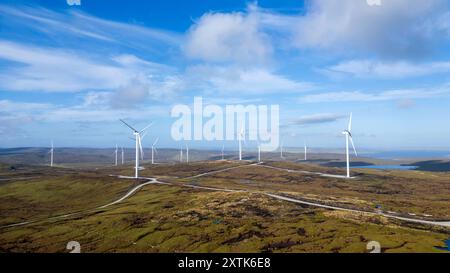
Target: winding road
(307, 172)
(434, 223)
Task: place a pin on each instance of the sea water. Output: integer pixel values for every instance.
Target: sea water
(387, 167)
(446, 247)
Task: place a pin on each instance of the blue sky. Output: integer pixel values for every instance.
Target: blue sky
(70, 72)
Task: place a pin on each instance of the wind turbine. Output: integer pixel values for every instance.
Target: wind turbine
(187, 154)
(154, 149)
(51, 155)
(348, 136)
(116, 152)
(139, 150)
(181, 154)
(223, 155)
(122, 156)
(281, 151)
(305, 152)
(241, 136)
(259, 152)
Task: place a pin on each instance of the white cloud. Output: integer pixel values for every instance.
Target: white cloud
(348, 27)
(244, 81)
(95, 108)
(12, 106)
(318, 118)
(15, 115)
(92, 99)
(132, 79)
(396, 95)
(395, 29)
(75, 25)
(228, 37)
(63, 70)
(54, 70)
(74, 114)
(387, 70)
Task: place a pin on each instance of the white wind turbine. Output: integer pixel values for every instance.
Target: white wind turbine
(281, 151)
(305, 152)
(259, 152)
(122, 156)
(51, 155)
(223, 155)
(187, 154)
(181, 154)
(154, 150)
(348, 136)
(139, 150)
(116, 152)
(241, 136)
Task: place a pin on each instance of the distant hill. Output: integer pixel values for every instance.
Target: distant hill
(433, 165)
(96, 157)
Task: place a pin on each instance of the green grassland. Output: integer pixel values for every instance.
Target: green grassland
(163, 218)
(421, 193)
(201, 221)
(48, 195)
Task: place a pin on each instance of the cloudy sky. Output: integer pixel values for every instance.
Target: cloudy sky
(70, 72)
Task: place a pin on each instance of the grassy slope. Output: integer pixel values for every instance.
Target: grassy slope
(399, 191)
(51, 195)
(172, 219)
(202, 221)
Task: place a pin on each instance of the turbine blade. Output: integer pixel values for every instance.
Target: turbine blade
(140, 148)
(128, 125)
(350, 123)
(156, 141)
(145, 128)
(242, 135)
(353, 145)
(143, 136)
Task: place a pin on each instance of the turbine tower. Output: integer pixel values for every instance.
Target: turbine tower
(139, 150)
(154, 150)
(223, 155)
(281, 151)
(181, 154)
(187, 154)
(305, 152)
(240, 137)
(122, 156)
(51, 155)
(348, 137)
(259, 152)
(116, 152)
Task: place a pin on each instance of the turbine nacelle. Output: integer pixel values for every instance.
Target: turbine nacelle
(139, 150)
